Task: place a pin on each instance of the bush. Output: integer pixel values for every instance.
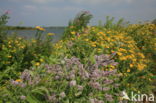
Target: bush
(69, 81)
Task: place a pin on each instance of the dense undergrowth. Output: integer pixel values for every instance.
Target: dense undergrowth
(90, 64)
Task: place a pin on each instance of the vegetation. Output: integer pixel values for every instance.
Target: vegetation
(91, 64)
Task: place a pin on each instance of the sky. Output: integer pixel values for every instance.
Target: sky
(59, 12)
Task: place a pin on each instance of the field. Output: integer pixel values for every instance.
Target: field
(90, 64)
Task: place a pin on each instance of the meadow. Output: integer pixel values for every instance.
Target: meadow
(90, 64)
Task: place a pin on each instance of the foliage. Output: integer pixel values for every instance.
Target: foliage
(18, 53)
(3, 20)
(79, 24)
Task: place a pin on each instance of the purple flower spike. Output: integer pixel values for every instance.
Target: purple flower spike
(23, 97)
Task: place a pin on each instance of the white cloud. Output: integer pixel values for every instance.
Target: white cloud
(43, 1)
(30, 7)
(77, 1)
(59, 9)
(35, 1)
(101, 1)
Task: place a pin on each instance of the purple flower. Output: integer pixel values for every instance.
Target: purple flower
(23, 97)
(114, 63)
(96, 74)
(22, 85)
(116, 85)
(96, 101)
(108, 81)
(7, 12)
(108, 97)
(14, 83)
(95, 85)
(79, 87)
(72, 76)
(57, 77)
(26, 75)
(105, 88)
(52, 98)
(62, 94)
(72, 83)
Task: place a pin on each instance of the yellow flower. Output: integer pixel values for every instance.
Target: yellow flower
(37, 27)
(9, 46)
(73, 32)
(140, 66)
(141, 55)
(71, 27)
(123, 58)
(122, 50)
(128, 70)
(102, 33)
(131, 65)
(37, 64)
(72, 39)
(22, 47)
(50, 34)
(93, 45)
(9, 42)
(149, 79)
(119, 53)
(112, 67)
(40, 28)
(34, 41)
(106, 46)
(9, 56)
(19, 38)
(134, 60)
(108, 39)
(86, 39)
(18, 80)
(99, 49)
(41, 60)
(16, 42)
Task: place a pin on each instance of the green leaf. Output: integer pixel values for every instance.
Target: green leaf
(41, 91)
(31, 99)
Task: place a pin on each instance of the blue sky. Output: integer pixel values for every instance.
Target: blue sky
(59, 12)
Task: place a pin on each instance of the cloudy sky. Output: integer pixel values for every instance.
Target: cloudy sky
(59, 12)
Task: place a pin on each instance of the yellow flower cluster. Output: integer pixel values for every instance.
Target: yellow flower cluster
(12, 47)
(144, 35)
(124, 45)
(109, 41)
